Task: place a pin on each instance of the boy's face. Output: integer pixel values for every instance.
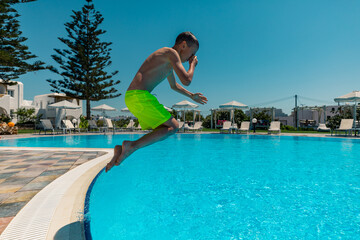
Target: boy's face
(187, 52)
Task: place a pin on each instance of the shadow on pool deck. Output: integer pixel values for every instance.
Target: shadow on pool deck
(73, 231)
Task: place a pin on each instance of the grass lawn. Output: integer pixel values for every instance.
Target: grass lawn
(30, 131)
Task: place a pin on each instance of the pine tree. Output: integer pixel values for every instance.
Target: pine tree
(84, 61)
(14, 55)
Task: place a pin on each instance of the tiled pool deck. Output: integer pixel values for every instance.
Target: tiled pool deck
(23, 173)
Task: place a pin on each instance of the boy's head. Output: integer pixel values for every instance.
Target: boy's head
(187, 44)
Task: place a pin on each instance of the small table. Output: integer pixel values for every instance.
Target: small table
(233, 127)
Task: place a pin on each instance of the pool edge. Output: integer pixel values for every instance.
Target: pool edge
(57, 211)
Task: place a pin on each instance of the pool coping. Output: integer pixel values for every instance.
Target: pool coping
(57, 211)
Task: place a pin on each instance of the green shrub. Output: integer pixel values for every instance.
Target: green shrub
(100, 123)
(334, 121)
(83, 122)
(207, 122)
(26, 115)
(122, 122)
(287, 127)
(5, 118)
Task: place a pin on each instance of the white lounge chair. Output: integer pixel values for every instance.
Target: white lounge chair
(323, 128)
(109, 125)
(346, 125)
(138, 128)
(244, 127)
(226, 127)
(197, 127)
(129, 127)
(68, 126)
(46, 126)
(274, 127)
(93, 125)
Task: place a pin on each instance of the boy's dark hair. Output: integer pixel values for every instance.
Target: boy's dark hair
(188, 37)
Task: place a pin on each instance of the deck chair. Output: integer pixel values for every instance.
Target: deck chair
(93, 125)
(138, 127)
(129, 127)
(346, 125)
(109, 125)
(197, 127)
(46, 126)
(244, 127)
(322, 128)
(226, 127)
(69, 126)
(274, 127)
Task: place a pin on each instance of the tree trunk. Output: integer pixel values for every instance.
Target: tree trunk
(88, 109)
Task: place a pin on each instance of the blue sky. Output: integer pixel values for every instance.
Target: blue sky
(254, 52)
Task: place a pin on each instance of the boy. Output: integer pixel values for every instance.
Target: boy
(138, 98)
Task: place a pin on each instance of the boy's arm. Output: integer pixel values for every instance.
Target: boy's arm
(184, 76)
(197, 97)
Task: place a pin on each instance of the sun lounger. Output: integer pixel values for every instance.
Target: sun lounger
(68, 126)
(46, 126)
(93, 125)
(109, 125)
(244, 127)
(197, 127)
(346, 125)
(274, 127)
(226, 127)
(129, 127)
(322, 128)
(138, 127)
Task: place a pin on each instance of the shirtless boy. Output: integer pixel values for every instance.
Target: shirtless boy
(151, 114)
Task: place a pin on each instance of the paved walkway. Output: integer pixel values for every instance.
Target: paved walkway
(23, 173)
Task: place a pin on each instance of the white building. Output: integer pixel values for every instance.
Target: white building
(310, 116)
(12, 98)
(41, 104)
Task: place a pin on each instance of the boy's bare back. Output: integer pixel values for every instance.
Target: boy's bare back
(159, 65)
(153, 71)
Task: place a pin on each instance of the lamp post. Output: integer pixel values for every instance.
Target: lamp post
(254, 121)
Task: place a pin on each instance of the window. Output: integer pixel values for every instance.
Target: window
(11, 93)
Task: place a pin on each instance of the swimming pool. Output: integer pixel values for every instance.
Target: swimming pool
(215, 186)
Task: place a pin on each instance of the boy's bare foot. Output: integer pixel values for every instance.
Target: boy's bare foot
(117, 153)
(127, 149)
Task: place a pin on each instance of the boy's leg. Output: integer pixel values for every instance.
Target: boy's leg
(128, 147)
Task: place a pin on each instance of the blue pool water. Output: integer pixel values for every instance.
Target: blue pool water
(216, 186)
(231, 187)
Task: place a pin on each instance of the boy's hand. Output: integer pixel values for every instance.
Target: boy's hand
(198, 97)
(193, 60)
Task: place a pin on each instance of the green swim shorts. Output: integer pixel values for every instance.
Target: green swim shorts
(146, 108)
